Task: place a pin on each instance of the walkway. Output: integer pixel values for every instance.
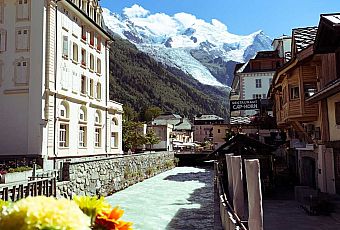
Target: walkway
(286, 215)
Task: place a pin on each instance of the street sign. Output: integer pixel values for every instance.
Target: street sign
(236, 105)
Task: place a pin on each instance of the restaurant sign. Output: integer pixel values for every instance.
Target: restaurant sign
(244, 104)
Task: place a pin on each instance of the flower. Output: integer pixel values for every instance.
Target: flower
(35, 213)
(91, 206)
(110, 220)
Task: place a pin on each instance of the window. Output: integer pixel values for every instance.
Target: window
(64, 110)
(337, 113)
(82, 114)
(258, 83)
(99, 91)
(83, 33)
(91, 87)
(97, 134)
(99, 66)
(75, 52)
(63, 135)
(257, 96)
(310, 89)
(264, 96)
(21, 72)
(91, 62)
(1, 66)
(218, 131)
(1, 11)
(114, 140)
(82, 136)
(84, 5)
(23, 9)
(92, 38)
(22, 39)
(294, 93)
(3, 40)
(97, 118)
(65, 46)
(83, 84)
(99, 43)
(83, 57)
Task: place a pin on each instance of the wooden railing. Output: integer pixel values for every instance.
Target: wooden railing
(229, 219)
(19, 190)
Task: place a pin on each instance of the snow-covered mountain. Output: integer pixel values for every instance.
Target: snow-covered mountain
(206, 51)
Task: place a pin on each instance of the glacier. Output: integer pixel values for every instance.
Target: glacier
(204, 50)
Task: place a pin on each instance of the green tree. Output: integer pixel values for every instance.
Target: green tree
(151, 113)
(129, 113)
(151, 138)
(133, 136)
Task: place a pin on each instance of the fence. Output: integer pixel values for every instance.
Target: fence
(19, 190)
(229, 219)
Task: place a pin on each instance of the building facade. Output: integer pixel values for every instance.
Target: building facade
(54, 84)
(204, 127)
(253, 79)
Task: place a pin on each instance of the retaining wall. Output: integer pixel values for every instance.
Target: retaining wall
(107, 175)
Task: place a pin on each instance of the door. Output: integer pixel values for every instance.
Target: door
(308, 172)
(337, 169)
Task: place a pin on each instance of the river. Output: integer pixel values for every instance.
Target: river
(181, 198)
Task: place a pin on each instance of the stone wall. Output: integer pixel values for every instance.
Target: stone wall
(107, 175)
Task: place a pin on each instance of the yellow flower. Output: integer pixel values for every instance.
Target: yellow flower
(91, 206)
(41, 212)
(4, 204)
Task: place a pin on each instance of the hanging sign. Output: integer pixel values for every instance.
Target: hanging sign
(244, 105)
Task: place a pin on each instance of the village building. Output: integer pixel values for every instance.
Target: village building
(204, 127)
(173, 130)
(54, 82)
(253, 79)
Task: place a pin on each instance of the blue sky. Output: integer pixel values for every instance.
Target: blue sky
(241, 16)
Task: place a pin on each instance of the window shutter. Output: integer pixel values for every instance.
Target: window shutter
(337, 113)
(3, 38)
(25, 9)
(25, 39)
(65, 46)
(74, 82)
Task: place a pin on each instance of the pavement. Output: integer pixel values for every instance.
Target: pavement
(287, 215)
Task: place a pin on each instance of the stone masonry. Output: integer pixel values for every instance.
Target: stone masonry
(104, 176)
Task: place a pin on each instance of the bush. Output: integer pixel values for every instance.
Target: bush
(19, 169)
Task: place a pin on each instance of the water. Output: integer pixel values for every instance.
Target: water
(181, 198)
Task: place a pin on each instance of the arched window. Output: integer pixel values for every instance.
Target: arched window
(64, 110)
(64, 115)
(98, 118)
(82, 114)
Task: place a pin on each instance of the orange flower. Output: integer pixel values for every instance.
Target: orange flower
(109, 220)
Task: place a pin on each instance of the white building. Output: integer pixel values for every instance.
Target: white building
(253, 79)
(54, 84)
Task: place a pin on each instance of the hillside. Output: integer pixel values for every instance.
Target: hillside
(137, 80)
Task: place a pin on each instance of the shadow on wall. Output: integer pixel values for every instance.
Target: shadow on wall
(195, 218)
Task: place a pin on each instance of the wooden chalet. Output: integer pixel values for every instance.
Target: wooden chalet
(327, 49)
(294, 83)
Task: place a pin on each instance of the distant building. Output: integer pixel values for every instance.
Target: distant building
(253, 79)
(204, 127)
(283, 46)
(54, 82)
(179, 130)
(163, 132)
(219, 132)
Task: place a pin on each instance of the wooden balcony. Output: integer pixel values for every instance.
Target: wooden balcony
(296, 111)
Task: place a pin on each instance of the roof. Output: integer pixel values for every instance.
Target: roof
(177, 121)
(210, 117)
(239, 120)
(328, 36)
(99, 27)
(241, 144)
(303, 37)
